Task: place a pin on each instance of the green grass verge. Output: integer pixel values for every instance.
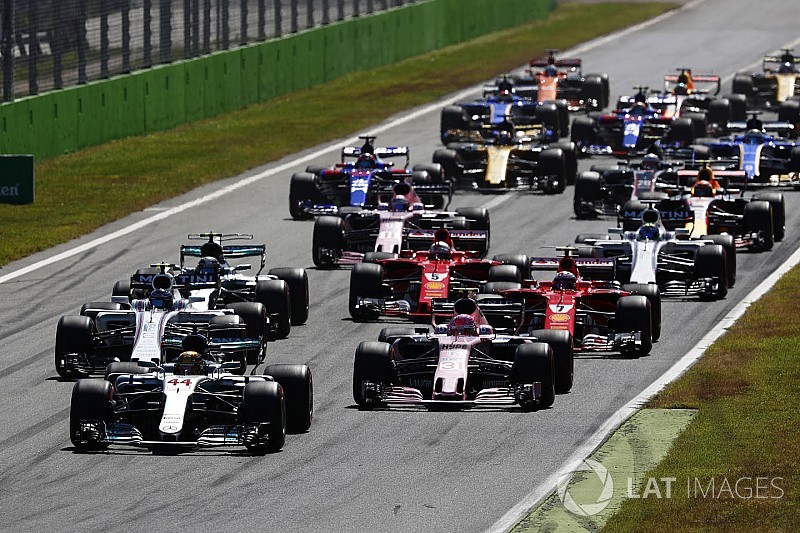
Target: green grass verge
(746, 390)
(78, 193)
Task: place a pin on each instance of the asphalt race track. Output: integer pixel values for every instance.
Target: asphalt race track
(354, 471)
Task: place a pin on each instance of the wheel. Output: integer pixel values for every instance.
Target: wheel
(776, 201)
(73, 336)
(757, 218)
(477, 218)
(593, 90)
(274, 295)
(264, 402)
(452, 119)
(448, 159)
(681, 131)
(91, 400)
(122, 289)
(700, 152)
(738, 107)
(588, 191)
(298, 391)
(124, 367)
(789, 111)
(653, 295)
(230, 327)
(521, 261)
(583, 130)
(496, 287)
(794, 159)
(254, 316)
(510, 273)
(563, 118)
(633, 315)
(297, 280)
(434, 170)
(710, 263)
(547, 114)
(534, 362)
(743, 84)
(141, 294)
(552, 165)
(570, 159)
(366, 281)
(719, 112)
(328, 241)
(372, 363)
(729, 244)
(303, 187)
(606, 89)
(389, 334)
(560, 342)
(699, 123)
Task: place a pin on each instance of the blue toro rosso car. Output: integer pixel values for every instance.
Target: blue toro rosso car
(502, 103)
(764, 158)
(363, 174)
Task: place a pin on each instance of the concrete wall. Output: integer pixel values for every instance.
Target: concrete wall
(166, 96)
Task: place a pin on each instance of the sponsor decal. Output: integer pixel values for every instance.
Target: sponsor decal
(454, 347)
(434, 285)
(559, 317)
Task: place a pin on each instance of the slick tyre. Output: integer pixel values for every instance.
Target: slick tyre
(366, 281)
(73, 336)
(560, 342)
(534, 362)
(264, 402)
(297, 280)
(275, 297)
(653, 295)
(710, 263)
(633, 315)
(298, 389)
(372, 364)
(328, 236)
(91, 400)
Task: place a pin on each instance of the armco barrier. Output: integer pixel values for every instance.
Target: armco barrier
(166, 96)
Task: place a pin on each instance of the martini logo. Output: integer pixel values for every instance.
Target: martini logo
(579, 506)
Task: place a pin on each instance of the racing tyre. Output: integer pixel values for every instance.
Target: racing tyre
(729, 244)
(374, 257)
(570, 159)
(254, 316)
(496, 287)
(478, 219)
(521, 261)
(563, 118)
(789, 111)
(710, 263)
(140, 294)
(682, 131)
(434, 170)
(594, 89)
(738, 107)
(298, 391)
(122, 288)
(699, 123)
(448, 159)
(125, 367)
(588, 190)
(633, 314)
(583, 130)
(452, 119)
(560, 342)
(366, 281)
(389, 334)
(743, 84)
(303, 187)
(508, 273)
(534, 363)
(73, 336)
(297, 280)
(372, 363)
(552, 163)
(230, 327)
(776, 201)
(758, 218)
(328, 235)
(548, 115)
(719, 113)
(264, 402)
(700, 152)
(653, 295)
(274, 295)
(794, 159)
(91, 400)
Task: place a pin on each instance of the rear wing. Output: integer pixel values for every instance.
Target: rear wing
(382, 152)
(502, 314)
(421, 238)
(781, 128)
(725, 177)
(564, 62)
(708, 82)
(188, 281)
(674, 214)
(590, 268)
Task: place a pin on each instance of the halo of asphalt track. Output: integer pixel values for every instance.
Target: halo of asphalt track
(354, 471)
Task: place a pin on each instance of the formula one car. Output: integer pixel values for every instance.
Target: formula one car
(776, 85)
(767, 158)
(634, 128)
(363, 173)
(506, 160)
(467, 120)
(192, 401)
(572, 313)
(216, 283)
(402, 223)
(463, 363)
(409, 284)
(150, 330)
(651, 254)
(549, 78)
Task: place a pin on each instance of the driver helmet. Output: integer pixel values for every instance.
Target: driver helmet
(565, 281)
(550, 71)
(649, 232)
(680, 89)
(366, 162)
(207, 265)
(753, 136)
(640, 97)
(190, 363)
(504, 137)
(399, 204)
(505, 88)
(638, 109)
(161, 299)
(651, 162)
(703, 189)
(439, 250)
(461, 325)
(786, 68)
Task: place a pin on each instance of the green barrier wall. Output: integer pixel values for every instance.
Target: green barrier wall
(166, 96)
